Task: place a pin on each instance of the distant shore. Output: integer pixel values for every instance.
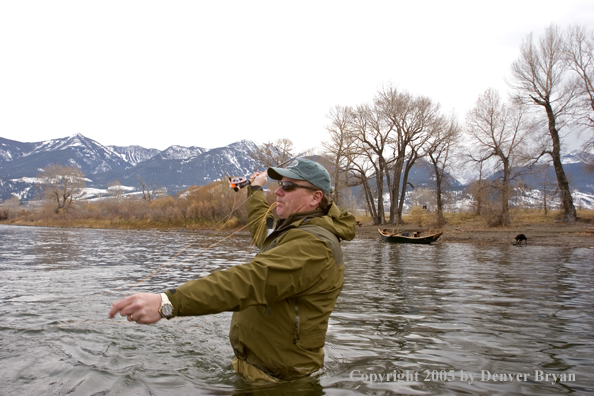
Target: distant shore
(577, 235)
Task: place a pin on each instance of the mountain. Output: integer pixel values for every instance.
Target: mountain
(26, 159)
(174, 169)
(543, 174)
(177, 168)
(134, 155)
(11, 150)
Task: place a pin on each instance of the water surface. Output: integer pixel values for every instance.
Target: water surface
(440, 319)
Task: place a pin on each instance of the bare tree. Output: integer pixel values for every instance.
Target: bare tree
(580, 58)
(62, 185)
(359, 172)
(444, 138)
(10, 208)
(499, 131)
(341, 136)
(146, 192)
(116, 190)
(409, 120)
(371, 143)
(274, 153)
(540, 79)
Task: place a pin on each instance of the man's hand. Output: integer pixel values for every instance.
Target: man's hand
(140, 308)
(259, 178)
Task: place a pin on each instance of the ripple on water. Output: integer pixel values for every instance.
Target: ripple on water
(404, 309)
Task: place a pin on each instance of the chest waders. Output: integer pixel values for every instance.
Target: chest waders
(321, 233)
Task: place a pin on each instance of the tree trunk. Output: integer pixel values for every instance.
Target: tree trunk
(395, 192)
(407, 168)
(438, 178)
(566, 199)
(505, 194)
(379, 180)
(369, 200)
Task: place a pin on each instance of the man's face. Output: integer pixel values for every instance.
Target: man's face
(297, 200)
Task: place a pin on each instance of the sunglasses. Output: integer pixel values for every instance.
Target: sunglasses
(290, 186)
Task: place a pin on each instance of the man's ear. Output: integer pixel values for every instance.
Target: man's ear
(317, 198)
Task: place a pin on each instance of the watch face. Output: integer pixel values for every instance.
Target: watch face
(167, 310)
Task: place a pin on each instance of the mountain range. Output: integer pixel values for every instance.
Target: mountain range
(177, 168)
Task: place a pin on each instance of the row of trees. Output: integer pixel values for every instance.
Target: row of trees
(375, 145)
(382, 140)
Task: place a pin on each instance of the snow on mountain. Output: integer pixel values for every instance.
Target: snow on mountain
(134, 155)
(173, 169)
(11, 150)
(180, 152)
(576, 157)
(178, 167)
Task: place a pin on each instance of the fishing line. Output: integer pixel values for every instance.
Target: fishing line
(164, 266)
(224, 220)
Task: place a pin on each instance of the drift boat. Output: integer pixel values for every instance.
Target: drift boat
(405, 237)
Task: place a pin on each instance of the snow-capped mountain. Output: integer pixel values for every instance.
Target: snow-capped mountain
(175, 168)
(134, 155)
(178, 167)
(26, 159)
(180, 152)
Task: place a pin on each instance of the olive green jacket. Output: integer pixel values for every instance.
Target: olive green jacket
(283, 298)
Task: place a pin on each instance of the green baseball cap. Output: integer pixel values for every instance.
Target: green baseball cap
(304, 169)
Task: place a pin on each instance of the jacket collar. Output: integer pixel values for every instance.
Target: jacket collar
(295, 219)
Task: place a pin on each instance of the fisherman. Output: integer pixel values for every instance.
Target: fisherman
(283, 298)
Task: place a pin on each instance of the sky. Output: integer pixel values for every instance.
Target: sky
(210, 73)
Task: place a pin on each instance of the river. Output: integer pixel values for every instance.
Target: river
(443, 319)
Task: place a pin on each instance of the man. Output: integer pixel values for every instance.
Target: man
(283, 298)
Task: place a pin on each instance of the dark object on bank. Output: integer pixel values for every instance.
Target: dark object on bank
(520, 238)
(405, 238)
(359, 223)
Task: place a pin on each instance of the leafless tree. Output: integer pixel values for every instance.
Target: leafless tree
(274, 153)
(371, 143)
(341, 136)
(359, 172)
(62, 185)
(116, 190)
(498, 130)
(443, 140)
(146, 192)
(539, 79)
(10, 208)
(580, 58)
(409, 120)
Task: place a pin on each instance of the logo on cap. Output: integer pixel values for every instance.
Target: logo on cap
(293, 164)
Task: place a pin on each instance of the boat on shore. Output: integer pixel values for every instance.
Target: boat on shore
(405, 237)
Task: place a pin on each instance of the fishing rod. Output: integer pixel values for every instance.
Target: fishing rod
(239, 182)
(168, 264)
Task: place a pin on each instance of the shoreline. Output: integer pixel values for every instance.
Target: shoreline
(577, 235)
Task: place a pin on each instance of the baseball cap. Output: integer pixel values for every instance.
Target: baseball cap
(304, 169)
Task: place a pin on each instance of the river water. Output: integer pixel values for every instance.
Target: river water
(444, 319)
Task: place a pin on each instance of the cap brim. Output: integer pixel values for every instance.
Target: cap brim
(279, 173)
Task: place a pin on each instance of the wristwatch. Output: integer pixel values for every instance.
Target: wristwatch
(166, 309)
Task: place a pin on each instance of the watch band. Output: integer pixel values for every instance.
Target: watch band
(166, 308)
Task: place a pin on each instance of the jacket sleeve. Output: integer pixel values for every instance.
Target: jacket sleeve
(298, 264)
(257, 208)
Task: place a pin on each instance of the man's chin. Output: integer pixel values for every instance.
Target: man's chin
(280, 212)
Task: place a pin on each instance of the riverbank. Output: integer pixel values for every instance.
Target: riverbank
(580, 234)
(539, 230)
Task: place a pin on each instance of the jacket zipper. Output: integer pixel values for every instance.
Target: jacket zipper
(297, 336)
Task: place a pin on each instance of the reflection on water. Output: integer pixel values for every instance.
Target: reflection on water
(442, 319)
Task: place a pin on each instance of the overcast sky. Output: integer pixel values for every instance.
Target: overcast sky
(209, 73)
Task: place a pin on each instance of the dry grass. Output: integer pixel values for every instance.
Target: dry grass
(519, 217)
